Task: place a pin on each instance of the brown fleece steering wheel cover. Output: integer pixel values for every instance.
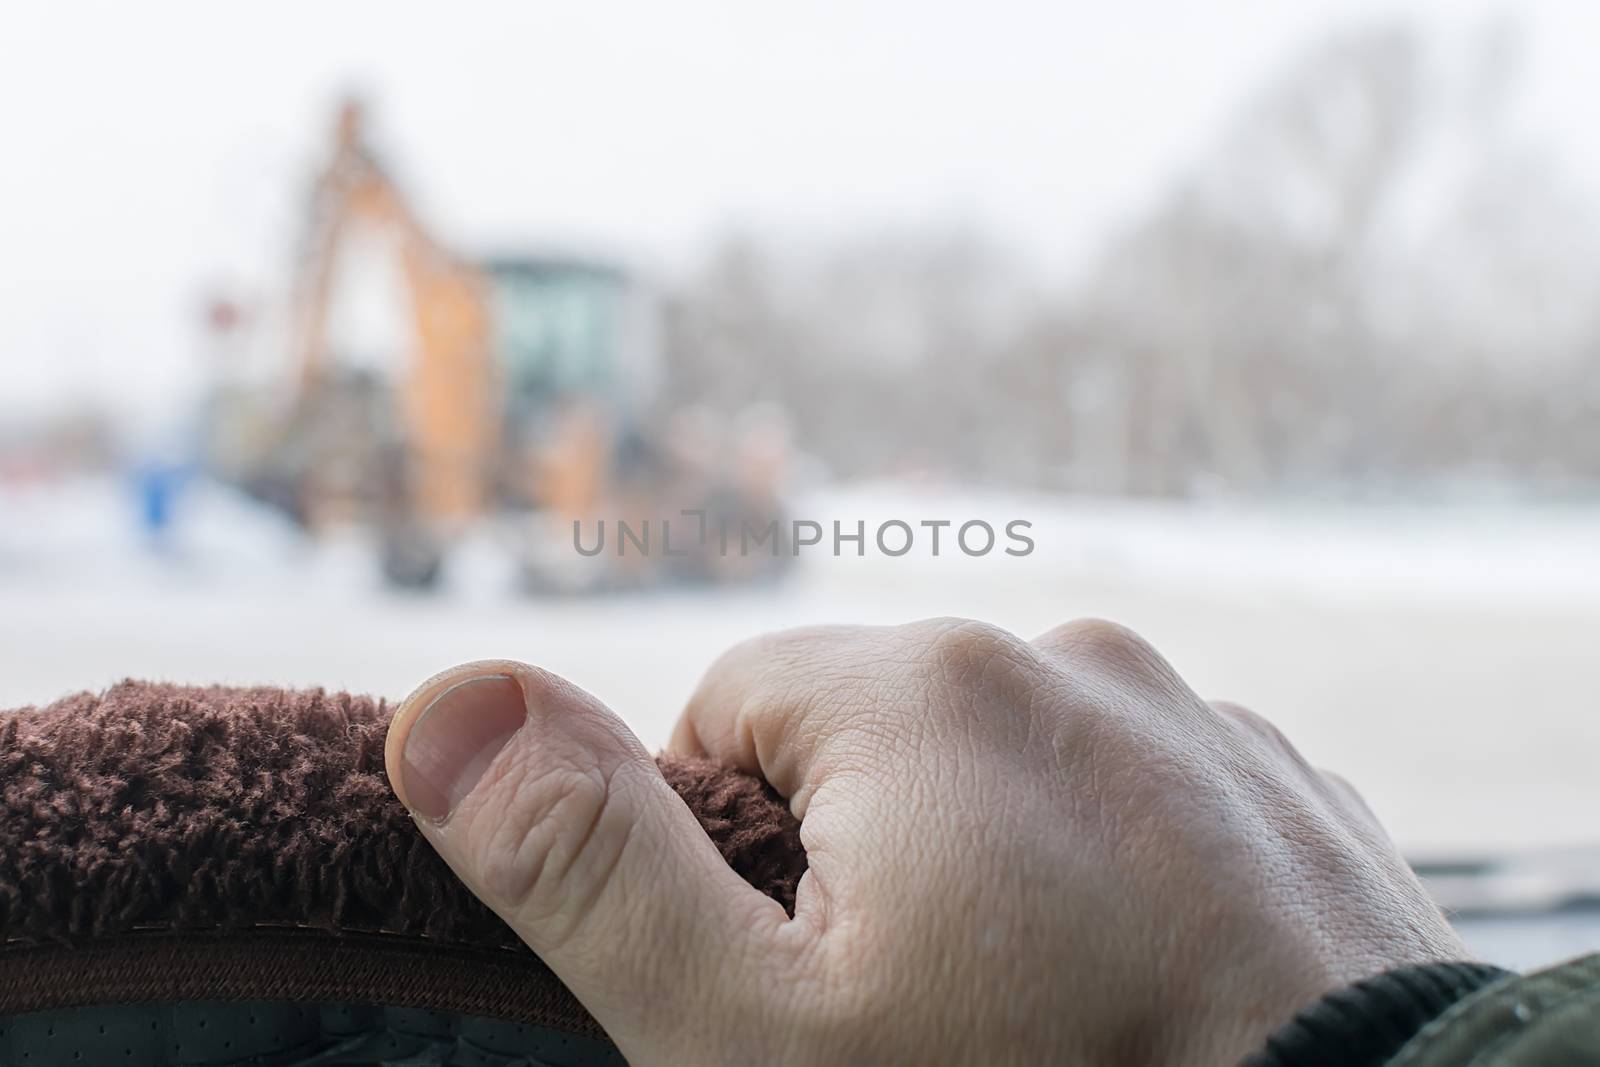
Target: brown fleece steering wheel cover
(170, 843)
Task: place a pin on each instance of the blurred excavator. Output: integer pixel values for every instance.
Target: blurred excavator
(431, 393)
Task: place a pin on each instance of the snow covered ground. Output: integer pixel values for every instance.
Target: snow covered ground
(1443, 660)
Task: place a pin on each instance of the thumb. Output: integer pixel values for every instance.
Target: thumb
(552, 812)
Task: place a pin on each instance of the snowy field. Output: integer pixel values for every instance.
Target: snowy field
(1443, 660)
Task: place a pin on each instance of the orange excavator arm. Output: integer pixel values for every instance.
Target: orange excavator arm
(450, 424)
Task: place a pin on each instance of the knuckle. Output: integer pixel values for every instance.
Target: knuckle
(1248, 720)
(982, 684)
(1113, 649)
(965, 649)
(1111, 643)
(1346, 789)
(542, 838)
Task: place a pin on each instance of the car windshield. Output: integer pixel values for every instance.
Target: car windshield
(1273, 335)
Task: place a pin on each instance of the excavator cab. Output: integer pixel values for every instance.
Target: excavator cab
(575, 365)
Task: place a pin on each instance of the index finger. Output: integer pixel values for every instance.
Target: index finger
(802, 705)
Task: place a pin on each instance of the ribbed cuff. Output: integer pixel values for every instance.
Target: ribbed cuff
(1365, 1024)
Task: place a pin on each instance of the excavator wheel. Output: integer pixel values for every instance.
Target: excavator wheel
(412, 559)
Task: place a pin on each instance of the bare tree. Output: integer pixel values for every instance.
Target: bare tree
(1295, 314)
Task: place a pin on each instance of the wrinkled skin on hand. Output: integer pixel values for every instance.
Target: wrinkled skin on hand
(1020, 852)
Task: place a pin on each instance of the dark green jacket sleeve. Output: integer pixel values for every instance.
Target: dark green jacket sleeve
(1448, 1015)
(1548, 1019)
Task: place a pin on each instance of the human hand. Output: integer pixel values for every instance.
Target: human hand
(1019, 852)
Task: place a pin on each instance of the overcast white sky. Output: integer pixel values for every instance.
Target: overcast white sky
(149, 148)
